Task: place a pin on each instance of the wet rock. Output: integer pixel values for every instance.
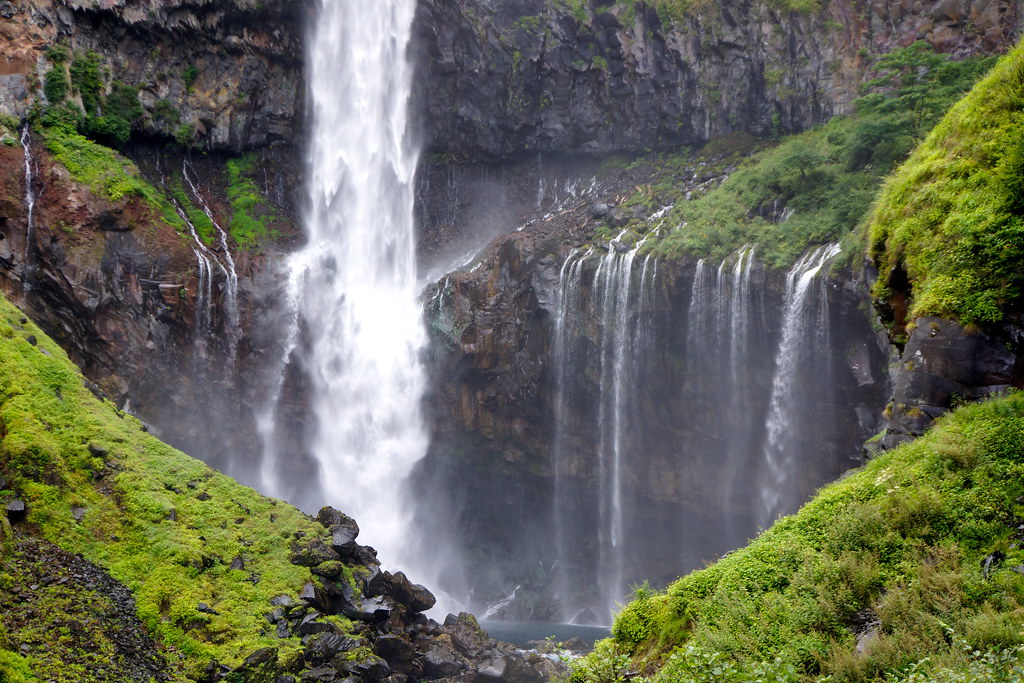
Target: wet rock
(311, 625)
(282, 601)
(320, 674)
(441, 660)
(331, 570)
(3, 484)
(422, 598)
(323, 647)
(394, 649)
(508, 668)
(311, 553)
(376, 583)
(259, 667)
(97, 451)
(367, 668)
(237, 562)
(16, 510)
(315, 597)
(466, 634)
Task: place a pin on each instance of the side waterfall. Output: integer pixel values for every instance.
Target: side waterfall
(355, 325)
(232, 328)
(30, 204)
(698, 410)
(805, 324)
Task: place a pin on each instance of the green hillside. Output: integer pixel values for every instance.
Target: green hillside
(951, 219)
(164, 524)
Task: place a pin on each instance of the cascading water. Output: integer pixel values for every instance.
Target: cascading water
(232, 330)
(689, 408)
(805, 325)
(621, 295)
(355, 324)
(30, 204)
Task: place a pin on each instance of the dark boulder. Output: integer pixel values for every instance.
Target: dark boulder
(323, 647)
(315, 597)
(259, 667)
(16, 510)
(422, 598)
(467, 635)
(311, 553)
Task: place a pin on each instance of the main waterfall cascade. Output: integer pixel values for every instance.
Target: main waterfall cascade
(693, 418)
(354, 325)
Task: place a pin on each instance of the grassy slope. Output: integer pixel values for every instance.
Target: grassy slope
(952, 217)
(905, 536)
(161, 522)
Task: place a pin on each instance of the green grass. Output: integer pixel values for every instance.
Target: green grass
(904, 536)
(253, 217)
(826, 178)
(164, 524)
(952, 217)
(104, 171)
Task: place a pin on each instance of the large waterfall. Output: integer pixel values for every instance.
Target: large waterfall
(355, 327)
(691, 408)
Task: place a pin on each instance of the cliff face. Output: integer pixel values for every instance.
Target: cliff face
(232, 70)
(507, 78)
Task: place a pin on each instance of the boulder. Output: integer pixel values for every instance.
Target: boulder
(311, 553)
(259, 667)
(16, 510)
(466, 634)
(323, 647)
(315, 597)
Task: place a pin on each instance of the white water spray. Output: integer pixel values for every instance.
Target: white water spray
(354, 286)
(800, 326)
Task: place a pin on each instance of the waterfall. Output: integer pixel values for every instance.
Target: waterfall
(204, 284)
(30, 204)
(233, 329)
(355, 326)
(619, 295)
(805, 325)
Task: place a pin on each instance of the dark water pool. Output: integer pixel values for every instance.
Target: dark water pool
(521, 633)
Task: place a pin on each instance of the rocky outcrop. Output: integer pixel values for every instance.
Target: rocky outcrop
(511, 78)
(388, 638)
(532, 480)
(231, 72)
(944, 365)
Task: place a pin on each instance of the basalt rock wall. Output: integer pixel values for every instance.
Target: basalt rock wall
(506, 78)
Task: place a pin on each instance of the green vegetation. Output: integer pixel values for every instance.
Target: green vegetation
(823, 181)
(919, 551)
(189, 76)
(951, 217)
(103, 170)
(164, 524)
(107, 118)
(86, 80)
(252, 216)
(55, 84)
(676, 11)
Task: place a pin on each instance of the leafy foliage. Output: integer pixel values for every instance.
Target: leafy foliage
(904, 542)
(951, 218)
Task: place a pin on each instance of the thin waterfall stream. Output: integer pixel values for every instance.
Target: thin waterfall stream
(30, 205)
